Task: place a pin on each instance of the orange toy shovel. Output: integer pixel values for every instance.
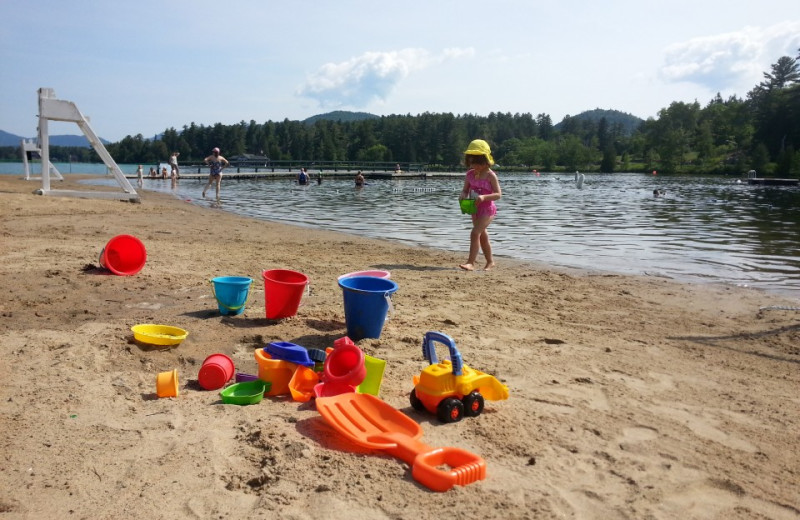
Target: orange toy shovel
(370, 422)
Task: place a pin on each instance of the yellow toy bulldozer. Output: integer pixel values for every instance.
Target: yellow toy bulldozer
(451, 389)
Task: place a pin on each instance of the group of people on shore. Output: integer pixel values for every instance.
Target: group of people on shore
(304, 178)
(154, 174)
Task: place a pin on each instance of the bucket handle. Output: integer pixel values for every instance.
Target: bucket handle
(388, 296)
(237, 307)
(306, 292)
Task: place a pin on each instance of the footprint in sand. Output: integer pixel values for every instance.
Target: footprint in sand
(720, 498)
(657, 383)
(704, 427)
(638, 434)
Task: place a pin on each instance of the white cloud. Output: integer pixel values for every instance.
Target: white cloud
(730, 60)
(370, 76)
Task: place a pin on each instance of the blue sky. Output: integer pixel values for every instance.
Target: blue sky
(144, 66)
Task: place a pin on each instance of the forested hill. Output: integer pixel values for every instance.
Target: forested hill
(629, 123)
(341, 116)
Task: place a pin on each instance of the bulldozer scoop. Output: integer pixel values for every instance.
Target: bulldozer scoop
(490, 387)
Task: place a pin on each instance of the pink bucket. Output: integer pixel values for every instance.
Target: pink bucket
(376, 273)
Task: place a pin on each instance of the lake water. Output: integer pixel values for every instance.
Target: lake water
(706, 229)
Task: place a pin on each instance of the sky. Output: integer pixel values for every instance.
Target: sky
(144, 66)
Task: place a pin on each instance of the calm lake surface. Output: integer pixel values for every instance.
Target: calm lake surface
(705, 229)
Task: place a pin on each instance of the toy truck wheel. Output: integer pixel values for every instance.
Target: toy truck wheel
(473, 404)
(416, 404)
(450, 410)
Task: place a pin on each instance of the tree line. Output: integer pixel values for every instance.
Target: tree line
(726, 136)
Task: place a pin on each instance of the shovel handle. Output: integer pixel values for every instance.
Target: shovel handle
(438, 469)
(442, 468)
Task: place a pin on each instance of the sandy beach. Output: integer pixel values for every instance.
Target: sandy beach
(630, 397)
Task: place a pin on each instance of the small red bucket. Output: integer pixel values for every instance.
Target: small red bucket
(124, 255)
(283, 292)
(217, 369)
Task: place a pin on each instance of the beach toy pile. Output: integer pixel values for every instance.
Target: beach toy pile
(343, 381)
(291, 370)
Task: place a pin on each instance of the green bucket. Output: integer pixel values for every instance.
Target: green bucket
(468, 206)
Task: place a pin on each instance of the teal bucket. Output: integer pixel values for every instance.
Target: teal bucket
(231, 293)
(367, 300)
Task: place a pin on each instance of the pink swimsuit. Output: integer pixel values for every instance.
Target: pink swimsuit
(482, 187)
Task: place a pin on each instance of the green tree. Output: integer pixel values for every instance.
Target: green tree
(760, 158)
(544, 125)
(784, 72)
(376, 153)
(609, 160)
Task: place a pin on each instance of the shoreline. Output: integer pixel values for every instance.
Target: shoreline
(631, 396)
(780, 288)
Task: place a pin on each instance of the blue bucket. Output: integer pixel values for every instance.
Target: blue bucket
(231, 293)
(367, 300)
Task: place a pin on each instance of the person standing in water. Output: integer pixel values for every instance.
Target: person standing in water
(217, 164)
(359, 179)
(481, 183)
(302, 177)
(140, 175)
(173, 163)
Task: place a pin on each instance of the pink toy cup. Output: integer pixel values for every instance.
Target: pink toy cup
(345, 365)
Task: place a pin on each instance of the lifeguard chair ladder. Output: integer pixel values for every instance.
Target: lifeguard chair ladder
(52, 109)
(29, 146)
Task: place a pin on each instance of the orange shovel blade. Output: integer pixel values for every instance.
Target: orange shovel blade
(363, 418)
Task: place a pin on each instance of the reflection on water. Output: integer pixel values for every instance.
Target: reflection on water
(703, 229)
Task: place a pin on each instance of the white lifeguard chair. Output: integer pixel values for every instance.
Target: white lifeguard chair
(54, 109)
(29, 146)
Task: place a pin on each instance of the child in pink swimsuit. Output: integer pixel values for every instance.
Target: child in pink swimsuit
(483, 183)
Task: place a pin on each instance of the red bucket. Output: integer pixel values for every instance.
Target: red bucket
(124, 255)
(283, 291)
(217, 369)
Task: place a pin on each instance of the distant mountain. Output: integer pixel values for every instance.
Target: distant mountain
(629, 122)
(7, 139)
(341, 116)
(81, 141)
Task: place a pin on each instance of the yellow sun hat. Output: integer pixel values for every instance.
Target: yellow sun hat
(480, 147)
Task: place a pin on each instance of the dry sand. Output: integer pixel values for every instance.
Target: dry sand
(629, 397)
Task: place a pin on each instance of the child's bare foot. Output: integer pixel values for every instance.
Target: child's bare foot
(489, 266)
(467, 267)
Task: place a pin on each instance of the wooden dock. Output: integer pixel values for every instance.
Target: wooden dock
(774, 182)
(256, 175)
